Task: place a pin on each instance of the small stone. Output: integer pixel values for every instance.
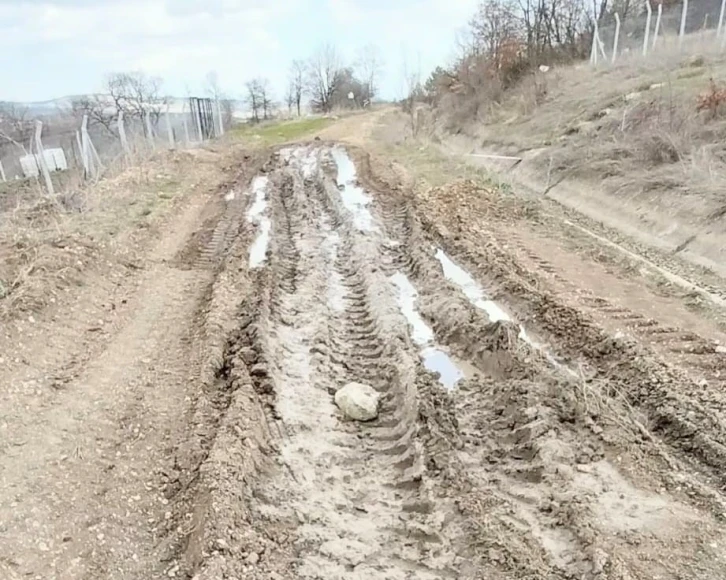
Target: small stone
(358, 401)
(253, 558)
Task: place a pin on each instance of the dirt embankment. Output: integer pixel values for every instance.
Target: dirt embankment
(98, 365)
(631, 145)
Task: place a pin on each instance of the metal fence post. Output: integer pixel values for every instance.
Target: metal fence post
(41, 158)
(122, 134)
(2, 172)
(88, 160)
(719, 30)
(149, 132)
(83, 153)
(186, 126)
(168, 128)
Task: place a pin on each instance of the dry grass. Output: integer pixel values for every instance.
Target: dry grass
(642, 127)
(46, 242)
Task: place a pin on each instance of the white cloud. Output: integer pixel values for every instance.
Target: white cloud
(53, 47)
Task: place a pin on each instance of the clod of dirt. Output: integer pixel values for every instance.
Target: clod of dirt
(358, 401)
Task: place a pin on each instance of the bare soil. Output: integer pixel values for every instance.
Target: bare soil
(194, 433)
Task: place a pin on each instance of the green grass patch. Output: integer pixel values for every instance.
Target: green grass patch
(275, 132)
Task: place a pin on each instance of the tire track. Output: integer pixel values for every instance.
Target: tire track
(522, 472)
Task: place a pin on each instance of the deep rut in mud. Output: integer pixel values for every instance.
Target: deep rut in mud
(490, 457)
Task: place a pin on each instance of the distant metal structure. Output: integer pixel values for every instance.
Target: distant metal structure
(203, 116)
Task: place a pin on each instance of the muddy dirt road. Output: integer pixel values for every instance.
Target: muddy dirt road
(497, 453)
(533, 424)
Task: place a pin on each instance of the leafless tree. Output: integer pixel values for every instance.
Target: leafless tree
(369, 66)
(267, 101)
(15, 125)
(134, 93)
(323, 77)
(290, 98)
(254, 99)
(413, 91)
(297, 83)
(259, 98)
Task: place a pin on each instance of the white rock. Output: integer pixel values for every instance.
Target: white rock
(358, 401)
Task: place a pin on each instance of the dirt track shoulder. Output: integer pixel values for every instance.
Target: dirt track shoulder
(97, 385)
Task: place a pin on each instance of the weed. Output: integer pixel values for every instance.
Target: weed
(712, 99)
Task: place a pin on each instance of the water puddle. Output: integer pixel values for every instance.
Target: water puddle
(355, 199)
(456, 274)
(434, 359)
(255, 215)
(302, 158)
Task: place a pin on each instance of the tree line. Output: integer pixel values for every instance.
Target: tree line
(324, 80)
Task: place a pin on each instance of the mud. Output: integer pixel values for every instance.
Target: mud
(559, 451)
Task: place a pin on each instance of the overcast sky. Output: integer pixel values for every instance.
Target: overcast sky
(55, 48)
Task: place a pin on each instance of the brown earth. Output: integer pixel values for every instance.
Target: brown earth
(194, 434)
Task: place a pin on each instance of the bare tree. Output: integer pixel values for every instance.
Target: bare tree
(290, 98)
(133, 93)
(15, 125)
(369, 65)
(267, 102)
(414, 91)
(254, 99)
(323, 77)
(297, 83)
(259, 98)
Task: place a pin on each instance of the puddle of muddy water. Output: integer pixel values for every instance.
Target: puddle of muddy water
(306, 159)
(456, 274)
(255, 215)
(434, 359)
(355, 199)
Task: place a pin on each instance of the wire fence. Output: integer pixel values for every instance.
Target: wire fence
(58, 149)
(687, 26)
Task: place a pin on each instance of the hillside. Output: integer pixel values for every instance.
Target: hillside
(638, 145)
